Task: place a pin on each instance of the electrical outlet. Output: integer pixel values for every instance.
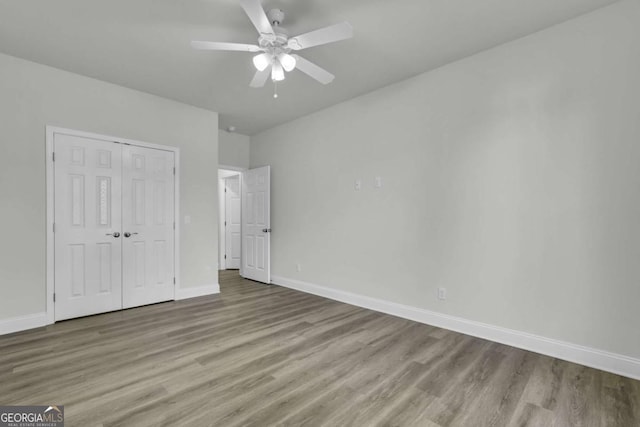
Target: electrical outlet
(298, 268)
(442, 294)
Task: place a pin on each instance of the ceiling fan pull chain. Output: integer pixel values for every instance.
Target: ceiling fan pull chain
(275, 89)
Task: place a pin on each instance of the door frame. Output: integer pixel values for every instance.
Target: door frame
(51, 131)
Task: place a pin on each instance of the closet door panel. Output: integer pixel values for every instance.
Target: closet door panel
(148, 225)
(87, 217)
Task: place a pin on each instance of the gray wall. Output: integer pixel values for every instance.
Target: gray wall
(511, 178)
(233, 149)
(33, 96)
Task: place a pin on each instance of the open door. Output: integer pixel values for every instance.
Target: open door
(256, 224)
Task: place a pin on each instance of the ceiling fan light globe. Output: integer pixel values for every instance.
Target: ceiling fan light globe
(277, 72)
(288, 62)
(262, 61)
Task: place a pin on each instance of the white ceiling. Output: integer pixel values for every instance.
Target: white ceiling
(144, 44)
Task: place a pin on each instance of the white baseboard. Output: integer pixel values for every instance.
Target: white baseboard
(22, 323)
(198, 291)
(599, 359)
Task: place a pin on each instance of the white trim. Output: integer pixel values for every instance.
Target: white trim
(50, 173)
(91, 135)
(222, 235)
(232, 168)
(599, 359)
(200, 291)
(22, 323)
(241, 271)
(176, 219)
(51, 131)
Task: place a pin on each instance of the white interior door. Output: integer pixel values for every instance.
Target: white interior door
(232, 223)
(87, 186)
(256, 224)
(147, 226)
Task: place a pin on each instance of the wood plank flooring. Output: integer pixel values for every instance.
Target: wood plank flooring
(259, 355)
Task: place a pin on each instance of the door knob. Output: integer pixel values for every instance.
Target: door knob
(116, 234)
(127, 234)
(266, 230)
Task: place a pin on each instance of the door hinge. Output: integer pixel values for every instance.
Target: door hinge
(225, 190)
(174, 280)
(54, 297)
(225, 256)
(53, 157)
(174, 225)
(225, 223)
(54, 227)
(174, 170)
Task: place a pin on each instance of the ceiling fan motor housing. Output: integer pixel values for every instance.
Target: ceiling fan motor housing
(267, 40)
(276, 16)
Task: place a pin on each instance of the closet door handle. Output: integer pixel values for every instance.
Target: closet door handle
(127, 234)
(116, 234)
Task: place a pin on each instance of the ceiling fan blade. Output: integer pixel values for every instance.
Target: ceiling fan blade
(313, 71)
(260, 78)
(239, 47)
(255, 12)
(333, 33)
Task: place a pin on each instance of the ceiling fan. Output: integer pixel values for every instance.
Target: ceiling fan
(275, 46)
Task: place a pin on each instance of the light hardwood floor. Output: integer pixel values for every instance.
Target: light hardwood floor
(265, 355)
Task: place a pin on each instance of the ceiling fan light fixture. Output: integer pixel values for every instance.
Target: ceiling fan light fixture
(273, 50)
(288, 62)
(262, 61)
(277, 72)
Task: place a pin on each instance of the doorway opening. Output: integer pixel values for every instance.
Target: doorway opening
(229, 218)
(245, 222)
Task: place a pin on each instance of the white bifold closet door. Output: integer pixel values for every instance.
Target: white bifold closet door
(114, 226)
